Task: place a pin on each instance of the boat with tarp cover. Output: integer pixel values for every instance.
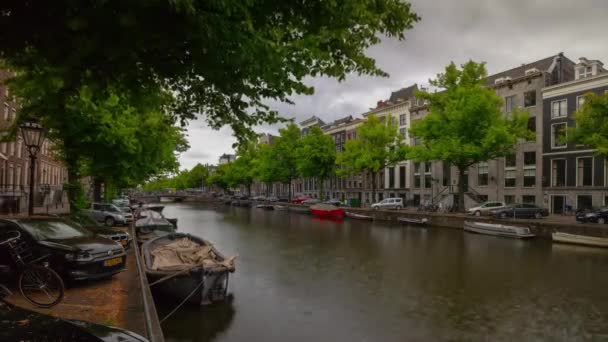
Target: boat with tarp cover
(187, 267)
(356, 216)
(577, 239)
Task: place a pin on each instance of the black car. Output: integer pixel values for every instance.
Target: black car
(335, 202)
(520, 211)
(596, 216)
(76, 253)
(18, 324)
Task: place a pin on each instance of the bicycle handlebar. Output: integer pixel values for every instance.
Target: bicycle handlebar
(11, 239)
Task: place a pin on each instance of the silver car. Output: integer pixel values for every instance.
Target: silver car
(485, 208)
(109, 214)
(389, 203)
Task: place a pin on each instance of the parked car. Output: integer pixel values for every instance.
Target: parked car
(121, 202)
(259, 198)
(520, 211)
(283, 199)
(19, 324)
(596, 216)
(240, 197)
(485, 208)
(300, 199)
(109, 214)
(389, 203)
(75, 252)
(311, 201)
(274, 199)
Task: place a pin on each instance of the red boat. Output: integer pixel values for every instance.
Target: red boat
(327, 210)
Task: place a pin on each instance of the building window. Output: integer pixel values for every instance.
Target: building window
(510, 160)
(11, 147)
(528, 199)
(584, 72)
(559, 109)
(530, 98)
(558, 135)
(558, 172)
(417, 175)
(402, 120)
(509, 103)
(509, 178)
(427, 176)
(584, 171)
(530, 158)
(482, 174)
(580, 101)
(509, 199)
(18, 180)
(403, 132)
(6, 111)
(584, 202)
(391, 177)
(532, 124)
(402, 176)
(530, 169)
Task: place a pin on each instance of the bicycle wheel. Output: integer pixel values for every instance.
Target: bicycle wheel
(41, 286)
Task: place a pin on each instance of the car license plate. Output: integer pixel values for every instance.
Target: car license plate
(112, 262)
(123, 242)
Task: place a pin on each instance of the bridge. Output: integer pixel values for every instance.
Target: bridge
(165, 196)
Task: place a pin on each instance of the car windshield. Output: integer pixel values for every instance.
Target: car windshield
(54, 229)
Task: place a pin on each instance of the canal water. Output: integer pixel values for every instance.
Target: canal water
(300, 278)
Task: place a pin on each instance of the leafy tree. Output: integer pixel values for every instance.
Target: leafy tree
(378, 145)
(220, 177)
(465, 124)
(316, 156)
(186, 179)
(243, 168)
(284, 150)
(217, 57)
(266, 166)
(592, 124)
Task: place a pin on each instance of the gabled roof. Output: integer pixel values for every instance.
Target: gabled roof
(403, 94)
(543, 65)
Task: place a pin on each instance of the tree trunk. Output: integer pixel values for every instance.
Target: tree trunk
(321, 181)
(97, 181)
(461, 189)
(373, 187)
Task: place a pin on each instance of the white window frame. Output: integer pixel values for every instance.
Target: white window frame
(560, 114)
(528, 168)
(578, 101)
(552, 183)
(485, 166)
(513, 106)
(535, 98)
(592, 173)
(553, 146)
(514, 171)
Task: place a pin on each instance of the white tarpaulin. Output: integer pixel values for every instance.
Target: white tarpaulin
(185, 253)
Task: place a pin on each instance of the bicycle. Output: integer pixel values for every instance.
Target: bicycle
(37, 283)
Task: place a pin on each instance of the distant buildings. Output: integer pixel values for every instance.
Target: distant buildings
(226, 158)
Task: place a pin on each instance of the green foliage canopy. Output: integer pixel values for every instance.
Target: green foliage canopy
(377, 145)
(316, 156)
(592, 124)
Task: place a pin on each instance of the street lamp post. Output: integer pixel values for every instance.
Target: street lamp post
(33, 136)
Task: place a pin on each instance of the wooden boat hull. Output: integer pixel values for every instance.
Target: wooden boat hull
(580, 240)
(413, 221)
(498, 230)
(214, 282)
(358, 216)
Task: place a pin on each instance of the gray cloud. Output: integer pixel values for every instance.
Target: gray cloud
(505, 34)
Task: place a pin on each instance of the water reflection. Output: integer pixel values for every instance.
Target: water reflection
(300, 279)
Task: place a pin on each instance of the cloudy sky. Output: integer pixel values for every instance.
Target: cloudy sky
(503, 33)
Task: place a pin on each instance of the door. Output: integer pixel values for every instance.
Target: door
(557, 204)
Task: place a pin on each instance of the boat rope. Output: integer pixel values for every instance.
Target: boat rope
(183, 301)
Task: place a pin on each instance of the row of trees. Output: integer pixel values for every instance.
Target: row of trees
(465, 125)
(185, 179)
(114, 87)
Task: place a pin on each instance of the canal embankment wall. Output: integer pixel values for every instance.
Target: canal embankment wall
(543, 227)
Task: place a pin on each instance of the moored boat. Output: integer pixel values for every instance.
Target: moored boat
(187, 267)
(413, 221)
(327, 210)
(498, 230)
(302, 210)
(280, 207)
(151, 224)
(265, 206)
(356, 216)
(580, 239)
